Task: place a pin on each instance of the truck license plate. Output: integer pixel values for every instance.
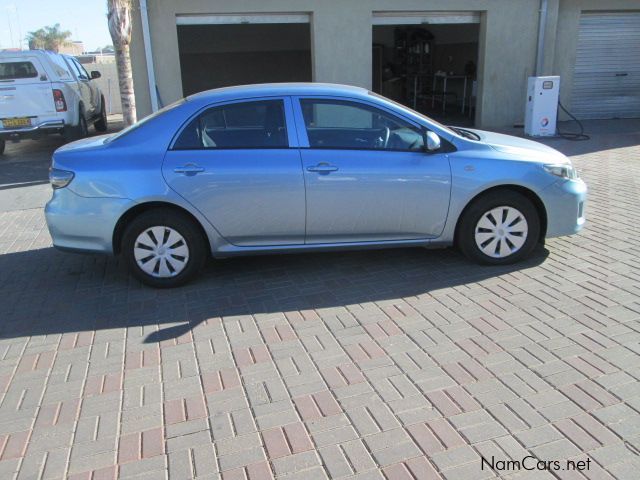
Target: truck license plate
(16, 122)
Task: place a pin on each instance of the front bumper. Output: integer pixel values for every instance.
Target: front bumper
(565, 202)
(83, 224)
(49, 126)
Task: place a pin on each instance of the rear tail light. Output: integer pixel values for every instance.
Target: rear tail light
(60, 178)
(58, 99)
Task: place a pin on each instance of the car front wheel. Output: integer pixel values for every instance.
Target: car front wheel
(499, 228)
(164, 249)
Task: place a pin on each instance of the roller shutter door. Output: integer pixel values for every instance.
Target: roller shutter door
(606, 79)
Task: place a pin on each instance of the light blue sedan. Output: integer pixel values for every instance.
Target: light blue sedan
(292, 167)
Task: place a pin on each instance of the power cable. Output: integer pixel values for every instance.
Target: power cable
(570, 135)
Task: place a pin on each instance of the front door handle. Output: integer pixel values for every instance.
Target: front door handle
(189, 169)
(322, 168)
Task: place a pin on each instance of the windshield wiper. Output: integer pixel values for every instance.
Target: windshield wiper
(465, 133)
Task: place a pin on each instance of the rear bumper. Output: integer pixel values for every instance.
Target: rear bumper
(83, 224)
(565, 202)
(49, 126)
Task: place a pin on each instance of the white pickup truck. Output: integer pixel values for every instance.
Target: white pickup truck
(43, 92)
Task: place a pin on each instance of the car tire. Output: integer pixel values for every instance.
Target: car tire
(2, 144)
(81, 130)
(499, 228)
(165, 262)
(101, 124)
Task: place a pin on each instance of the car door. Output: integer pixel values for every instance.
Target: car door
(94, 91)
(84, 85)
(239, 165)
(368, 176)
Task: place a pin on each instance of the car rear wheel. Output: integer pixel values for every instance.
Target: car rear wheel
(79, 131)
(101, 124)
(499, 228)
(163, 249)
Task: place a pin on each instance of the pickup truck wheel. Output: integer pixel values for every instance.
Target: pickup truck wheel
(101, 124)
(1, 147)
(79, 131)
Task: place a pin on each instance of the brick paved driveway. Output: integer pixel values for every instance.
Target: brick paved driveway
(399, 364)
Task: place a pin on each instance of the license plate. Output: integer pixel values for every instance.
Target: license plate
(16, 122)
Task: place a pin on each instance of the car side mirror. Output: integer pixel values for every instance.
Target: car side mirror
(432, 142)
(95, 74)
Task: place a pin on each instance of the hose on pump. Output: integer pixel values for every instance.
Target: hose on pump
(572, 135)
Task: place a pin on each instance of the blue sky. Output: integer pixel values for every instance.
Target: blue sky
(86, 19)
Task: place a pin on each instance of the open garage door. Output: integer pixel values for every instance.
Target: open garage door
(428, 61)
(224, 50)
(606, 79)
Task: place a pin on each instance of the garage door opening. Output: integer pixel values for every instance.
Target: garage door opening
(221, 55)
(431, 68)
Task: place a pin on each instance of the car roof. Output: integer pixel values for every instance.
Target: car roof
(25, 53)
(279, 89)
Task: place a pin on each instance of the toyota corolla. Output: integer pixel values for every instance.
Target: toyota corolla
(293, 167)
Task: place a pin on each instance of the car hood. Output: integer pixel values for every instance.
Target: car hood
(521, 147)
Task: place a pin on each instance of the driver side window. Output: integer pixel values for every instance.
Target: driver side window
(340, 124)
(82, 73)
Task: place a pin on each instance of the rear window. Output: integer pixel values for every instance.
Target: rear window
(15, 70)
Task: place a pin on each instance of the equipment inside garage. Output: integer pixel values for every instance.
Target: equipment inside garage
(431, 68)
(220, 55)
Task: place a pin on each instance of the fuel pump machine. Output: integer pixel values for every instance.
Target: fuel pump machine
(542, 106)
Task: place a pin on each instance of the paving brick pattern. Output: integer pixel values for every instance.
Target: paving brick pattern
(404, 364)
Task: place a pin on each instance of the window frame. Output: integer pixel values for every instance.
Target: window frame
(75, 68)
(289, 124)
(301, 125)
(83, 71)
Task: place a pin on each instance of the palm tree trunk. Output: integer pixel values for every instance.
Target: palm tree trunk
(125, 80)
(119, 19)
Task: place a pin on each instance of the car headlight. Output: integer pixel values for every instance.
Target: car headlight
(60, 178)
(562, 170)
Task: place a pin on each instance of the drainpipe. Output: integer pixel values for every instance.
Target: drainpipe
(541, 27)
(146, 40)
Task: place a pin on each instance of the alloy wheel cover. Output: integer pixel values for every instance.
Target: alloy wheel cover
(161, 252)
(501, 232)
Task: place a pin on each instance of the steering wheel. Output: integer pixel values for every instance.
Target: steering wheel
(387, 136)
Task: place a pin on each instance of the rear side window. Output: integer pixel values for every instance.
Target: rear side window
(259, 124)
(16, 70)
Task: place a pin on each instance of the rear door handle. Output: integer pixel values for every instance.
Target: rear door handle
(189, 169)
(322, 168)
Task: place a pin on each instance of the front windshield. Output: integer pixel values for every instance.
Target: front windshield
(141, 122)
(429, 119)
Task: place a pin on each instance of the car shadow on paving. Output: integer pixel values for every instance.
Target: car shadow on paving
(50, 292)
(407, 364)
